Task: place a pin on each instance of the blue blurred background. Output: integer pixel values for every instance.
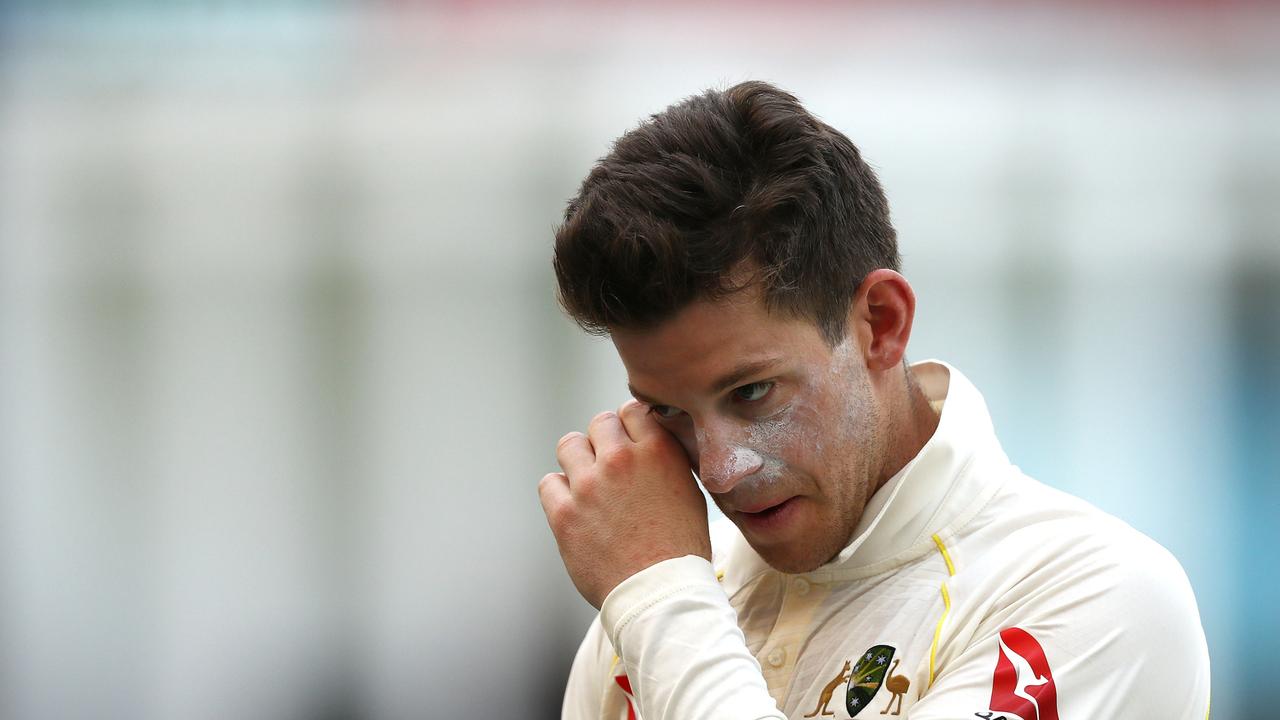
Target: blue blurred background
(280, 362)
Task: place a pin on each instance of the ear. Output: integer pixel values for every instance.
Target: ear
(880, 318)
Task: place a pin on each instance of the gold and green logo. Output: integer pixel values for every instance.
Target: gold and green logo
(867, 678)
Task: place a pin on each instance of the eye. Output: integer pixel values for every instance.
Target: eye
(665, 411)
(753, 392)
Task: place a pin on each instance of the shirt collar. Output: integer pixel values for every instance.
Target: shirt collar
(935, 487)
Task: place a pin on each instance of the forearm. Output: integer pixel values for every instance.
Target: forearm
(674, 629)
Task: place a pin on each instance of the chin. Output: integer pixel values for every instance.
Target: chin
(794, 561)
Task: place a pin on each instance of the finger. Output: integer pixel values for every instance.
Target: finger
(574, 453)
(639, 424)
(606, 432)
(553, 491)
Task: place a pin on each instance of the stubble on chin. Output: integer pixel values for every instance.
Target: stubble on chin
(793, 563)
(799, 556)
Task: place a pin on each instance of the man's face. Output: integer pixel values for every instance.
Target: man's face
(782, 430)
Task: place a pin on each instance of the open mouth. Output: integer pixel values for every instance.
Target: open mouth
(768, 517)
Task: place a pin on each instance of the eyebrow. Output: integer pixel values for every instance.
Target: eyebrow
(743, 371)
(641, 396)
(733, 377)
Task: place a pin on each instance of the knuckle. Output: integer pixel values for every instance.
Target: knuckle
(561, 516)
(602, 416)
(567, 438)
(586, 488)
(618, 461)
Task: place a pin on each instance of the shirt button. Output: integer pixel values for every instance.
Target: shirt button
(777, 657)
(802, 586)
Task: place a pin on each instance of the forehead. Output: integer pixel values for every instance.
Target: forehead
(710, 338)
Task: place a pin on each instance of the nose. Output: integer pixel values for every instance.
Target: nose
(722, 463)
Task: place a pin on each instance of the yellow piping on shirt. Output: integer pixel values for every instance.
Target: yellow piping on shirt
(946, 603)
(951, 569)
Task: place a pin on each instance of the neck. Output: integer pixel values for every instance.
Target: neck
(911, 422)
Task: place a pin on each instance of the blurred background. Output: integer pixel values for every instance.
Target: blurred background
(281, 365)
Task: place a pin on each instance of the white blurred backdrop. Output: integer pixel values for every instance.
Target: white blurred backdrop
(281, 365)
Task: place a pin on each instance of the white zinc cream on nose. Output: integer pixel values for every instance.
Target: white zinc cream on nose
(744, 460)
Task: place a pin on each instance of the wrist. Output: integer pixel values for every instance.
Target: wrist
(651, 587)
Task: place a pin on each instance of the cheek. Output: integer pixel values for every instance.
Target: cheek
(819, 447)
(771, 438)
(791, 439)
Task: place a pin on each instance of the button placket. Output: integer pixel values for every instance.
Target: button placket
(801, 586)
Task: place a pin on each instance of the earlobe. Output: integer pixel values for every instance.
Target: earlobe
(888, 308)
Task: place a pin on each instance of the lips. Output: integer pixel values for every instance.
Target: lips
(760, 506)
(769, 518)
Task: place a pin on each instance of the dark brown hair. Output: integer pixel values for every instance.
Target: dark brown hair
(743, 179)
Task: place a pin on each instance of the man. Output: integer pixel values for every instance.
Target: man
(883, 557)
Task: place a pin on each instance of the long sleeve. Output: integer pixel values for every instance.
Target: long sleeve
(587, 677)
(679, 640)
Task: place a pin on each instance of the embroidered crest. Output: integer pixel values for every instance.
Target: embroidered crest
(867, 678)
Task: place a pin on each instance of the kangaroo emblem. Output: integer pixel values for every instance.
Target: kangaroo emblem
(830, 690)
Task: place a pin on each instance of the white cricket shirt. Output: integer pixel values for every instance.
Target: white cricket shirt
(969, 591)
